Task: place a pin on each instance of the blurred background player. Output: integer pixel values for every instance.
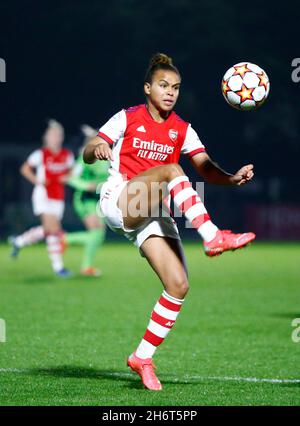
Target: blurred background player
(143, 144)
(48, 169)
(85, 179)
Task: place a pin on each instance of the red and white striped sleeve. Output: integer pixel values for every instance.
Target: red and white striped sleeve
(114, 128)
(192, 145)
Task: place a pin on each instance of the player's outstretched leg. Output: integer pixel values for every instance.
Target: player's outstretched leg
(32, 236)
(15, 249)
(172, 273)
(188, 202)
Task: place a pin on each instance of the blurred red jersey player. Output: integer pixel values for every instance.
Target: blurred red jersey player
(47, 169)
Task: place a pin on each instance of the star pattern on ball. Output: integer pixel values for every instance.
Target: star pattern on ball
(241, 70)
(225, 87)
(245, 93)
(263, 80)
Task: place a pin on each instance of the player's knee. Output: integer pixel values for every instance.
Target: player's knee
(172, 171)
(178, 288)
(52, 229)
(184, 288)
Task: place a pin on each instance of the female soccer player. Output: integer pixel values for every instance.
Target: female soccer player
(143, 144)
(85, 179)
(47, 169)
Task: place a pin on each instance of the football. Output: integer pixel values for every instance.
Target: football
(245, 86)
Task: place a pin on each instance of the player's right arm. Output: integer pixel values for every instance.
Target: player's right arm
(33, 162)
(28, 173)
(97, 149)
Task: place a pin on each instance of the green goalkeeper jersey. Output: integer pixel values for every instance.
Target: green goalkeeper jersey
(83, 177)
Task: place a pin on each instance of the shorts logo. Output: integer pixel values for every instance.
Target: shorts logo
(173, 134)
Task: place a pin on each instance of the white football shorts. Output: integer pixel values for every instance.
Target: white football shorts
(161, 226)
(41, 204)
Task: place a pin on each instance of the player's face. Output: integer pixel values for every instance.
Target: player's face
(54, 138)
(163, 91)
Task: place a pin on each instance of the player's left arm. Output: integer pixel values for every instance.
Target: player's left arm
(212, 173)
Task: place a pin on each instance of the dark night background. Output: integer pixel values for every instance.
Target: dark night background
(82, 61)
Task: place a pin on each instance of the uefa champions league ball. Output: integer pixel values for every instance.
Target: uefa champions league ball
(245, 86)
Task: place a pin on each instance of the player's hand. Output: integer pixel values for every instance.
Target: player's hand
(102, 151)
(244, 175)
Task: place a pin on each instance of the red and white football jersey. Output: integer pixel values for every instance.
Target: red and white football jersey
(139, 143)
(50, 167)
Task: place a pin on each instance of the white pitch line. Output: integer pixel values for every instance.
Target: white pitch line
(176, 379)
(12, 370)
(242, 379)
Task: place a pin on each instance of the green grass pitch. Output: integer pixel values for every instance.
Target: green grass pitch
(67, 340)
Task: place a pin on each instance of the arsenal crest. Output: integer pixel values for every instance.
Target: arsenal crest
(173, 134)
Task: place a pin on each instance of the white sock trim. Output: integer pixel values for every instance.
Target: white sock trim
(176, 181)
(172, 299)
